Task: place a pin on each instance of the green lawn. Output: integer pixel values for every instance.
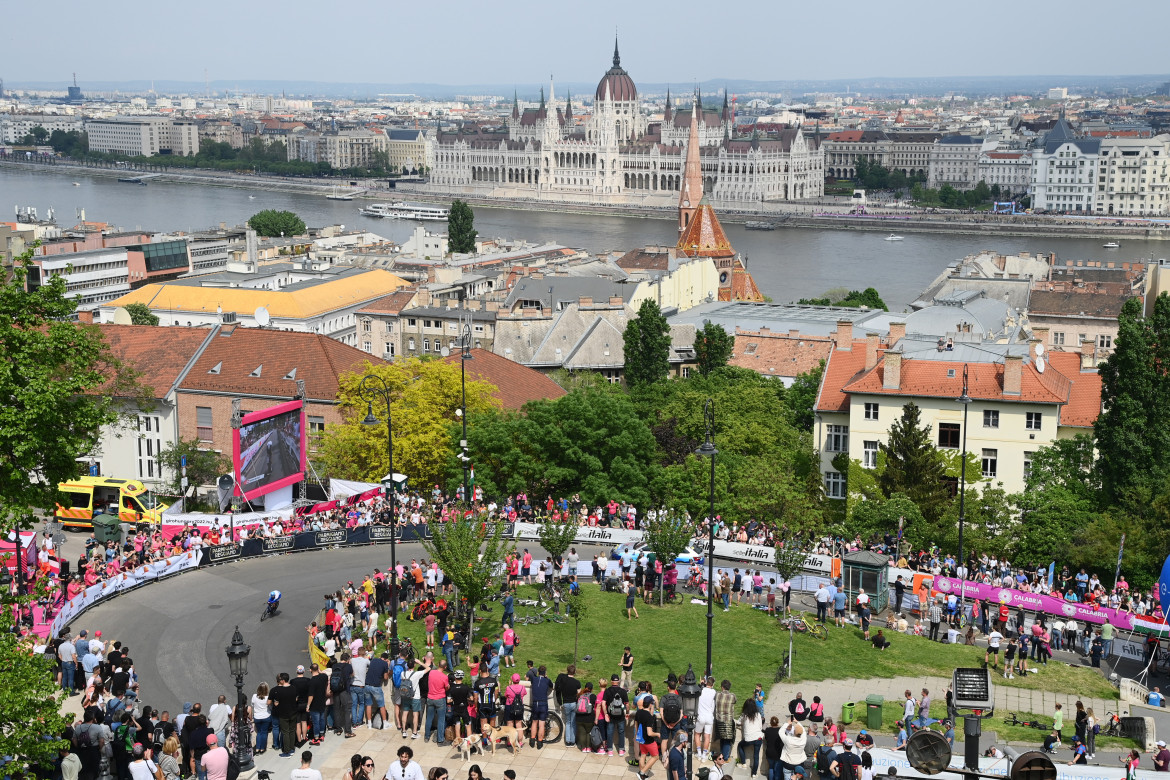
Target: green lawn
(748, 648)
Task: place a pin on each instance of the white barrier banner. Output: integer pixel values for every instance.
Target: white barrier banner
(884, 759)
(585, 535)
(124, 581)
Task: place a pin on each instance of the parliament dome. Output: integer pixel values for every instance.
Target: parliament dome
(620, 86)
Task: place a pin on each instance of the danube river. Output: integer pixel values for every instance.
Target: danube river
(787, 263)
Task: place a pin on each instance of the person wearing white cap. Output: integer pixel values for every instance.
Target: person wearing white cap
(1161, 757)
(847, 764)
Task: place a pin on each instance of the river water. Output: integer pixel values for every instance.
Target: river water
(787, 263)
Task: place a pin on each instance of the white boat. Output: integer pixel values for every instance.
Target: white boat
(1111, 245)
(403, 210)
(892, 237)
(76, 184)
(251, 197)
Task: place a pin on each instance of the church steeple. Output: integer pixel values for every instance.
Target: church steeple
(515, 104)
(541, 102)
(568, 105)
(617, 58)
(726, 110)
(668, 114)
(691, 193)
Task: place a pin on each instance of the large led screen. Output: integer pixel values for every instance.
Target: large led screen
(268, 449)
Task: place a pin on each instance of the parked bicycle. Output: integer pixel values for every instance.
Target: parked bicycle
(553, 727)
(803, 623)
(1013, 720)
(785, 670)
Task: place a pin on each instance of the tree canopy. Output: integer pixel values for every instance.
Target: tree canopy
(713, 347)
(271, 223)
(204, 466)
(647, 345)
(140, 314)
(424, 397)
(914, 467)
(854, 299)
(461, 231)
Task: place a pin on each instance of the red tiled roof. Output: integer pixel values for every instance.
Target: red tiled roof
(1084, 400)
(319, 360)
(842, 367)
(516, 384)
(158, 354)
(390, 304)
(846, 135)
(704, 236)
(778, 354)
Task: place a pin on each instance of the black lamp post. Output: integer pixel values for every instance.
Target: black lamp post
(965, 400)
(465, 343)
(708, 450)
(237, 654)
(373, 386)
(689, 689)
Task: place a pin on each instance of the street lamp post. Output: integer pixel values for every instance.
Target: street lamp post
(373, 386)
(708, 450)
(465, 339)
(690, 690)
(237, 654)
(965, 400)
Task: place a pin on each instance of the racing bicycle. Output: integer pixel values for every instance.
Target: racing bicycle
(270, 610)
(1013, 720)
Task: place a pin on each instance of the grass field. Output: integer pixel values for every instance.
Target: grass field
(748, 647)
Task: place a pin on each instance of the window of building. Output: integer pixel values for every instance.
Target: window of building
(426, 345)
(367, 326)
(203, 423)
(1105, 341)
(1028, 465)
(1032, 421)
(869, 451)
(388, 349)
(1082, 337)
(990, 462)
(686, 372)
(990, 418)
(411, 321)
(316, 425)
(410, 344)
(948, 435)
(838, 438)
(1057, 339)
(834, 484)
(367, 346)
(871, 411)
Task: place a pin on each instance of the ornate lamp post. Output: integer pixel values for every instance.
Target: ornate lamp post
(689, 690)
(965, 400)
(374, 387)
(237, 654)
(708, 450)
(465, 343)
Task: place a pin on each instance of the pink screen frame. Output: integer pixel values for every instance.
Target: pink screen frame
(255, 417)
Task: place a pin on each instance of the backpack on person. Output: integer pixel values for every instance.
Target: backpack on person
(799, 707)
(823, 753)
(583, 703)
(671, 708)
(338, 681)
(233, 767)
(83, 740)
(124, 738)
(396, 672)
(616, 708)
(405, 688)
(847, 769)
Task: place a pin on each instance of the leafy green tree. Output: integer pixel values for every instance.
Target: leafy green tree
(882, 516)
(461, 228)
(667, 535)
(424, 397)
(1133, 432)
(578, 608)
(801, 397)
(30, 717)
(913, 466)
(203, 466)
(556, 537)
(1067, 464)
(776, 487)
(140, 314)
(271, 223)
(869, 298)
(790, 553)
(647, 345)
(469, 553)
(713, 347)
(590, 441)
(1049, 524)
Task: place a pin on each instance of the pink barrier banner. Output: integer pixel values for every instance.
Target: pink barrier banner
(171, 530)
(1036, 602)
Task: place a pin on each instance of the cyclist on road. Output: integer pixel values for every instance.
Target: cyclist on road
(273, 602)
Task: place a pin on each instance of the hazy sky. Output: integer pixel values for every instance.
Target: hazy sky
(523, 41)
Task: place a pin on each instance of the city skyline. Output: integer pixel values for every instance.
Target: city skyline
(531, 42)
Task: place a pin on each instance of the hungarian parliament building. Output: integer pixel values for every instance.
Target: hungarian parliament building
(617, 154)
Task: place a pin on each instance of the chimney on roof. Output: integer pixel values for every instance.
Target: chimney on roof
(897, 332)
(546, 312)
(892, 373)
(844, 335)
(584, 301)
(616, 300)
(1033, 343)
(1013, 372)
(1040, 333)
(85, 317)
(871, 350)
(1088, 353)
(794, 333)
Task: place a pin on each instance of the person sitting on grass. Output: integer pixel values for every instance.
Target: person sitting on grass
(879, 641)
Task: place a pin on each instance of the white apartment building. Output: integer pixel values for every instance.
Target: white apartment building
(954, 160)
(1019, 403)
(92, 277)
(1132, 177)
(14, 127)
(1012, 171)
(343, 149)
(1064, 171)
(143, 136)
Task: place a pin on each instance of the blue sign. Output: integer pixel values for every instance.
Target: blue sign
(1164, 587)
(183, 461)
(93, 469)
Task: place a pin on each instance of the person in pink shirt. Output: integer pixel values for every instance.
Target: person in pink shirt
(527, 566)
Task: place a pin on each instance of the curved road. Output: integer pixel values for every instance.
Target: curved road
(178, 629)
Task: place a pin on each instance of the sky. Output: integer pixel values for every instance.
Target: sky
(523, 42)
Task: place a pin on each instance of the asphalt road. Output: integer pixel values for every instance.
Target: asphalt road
(178, 629)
